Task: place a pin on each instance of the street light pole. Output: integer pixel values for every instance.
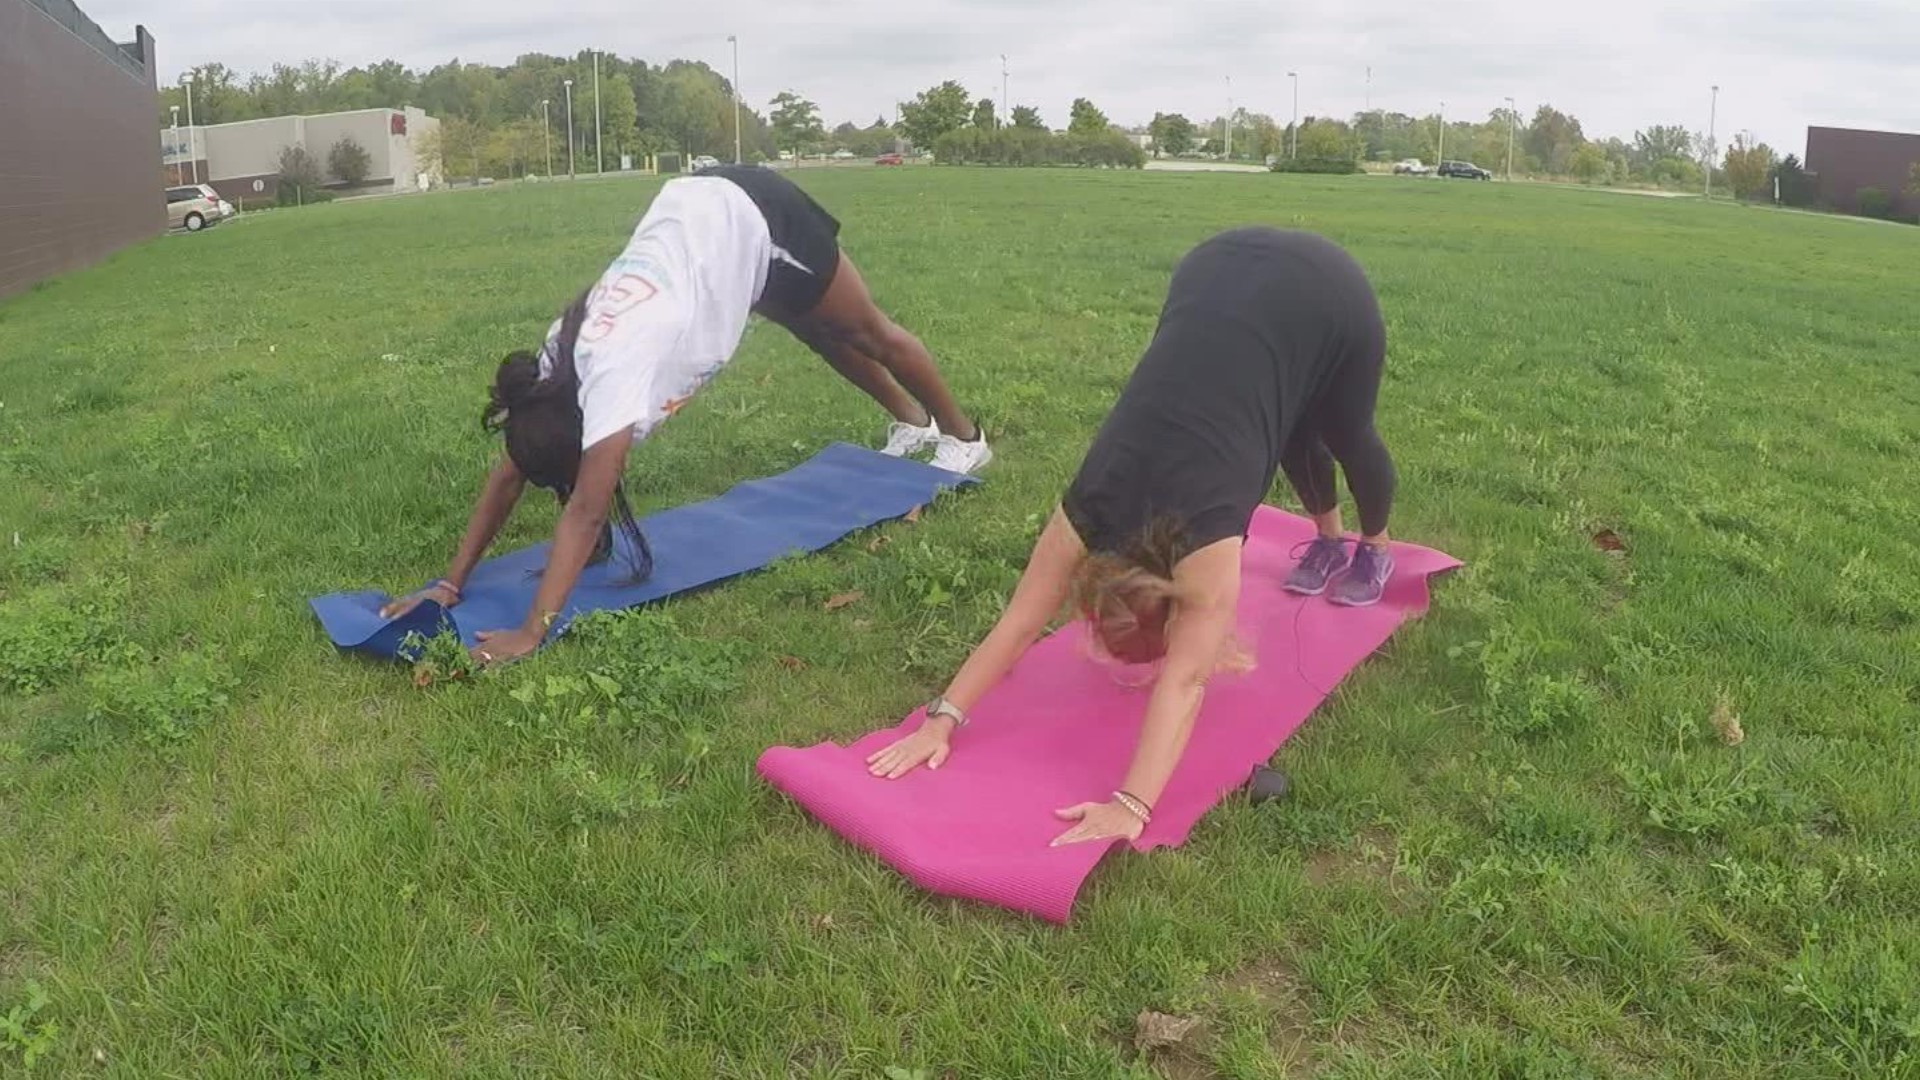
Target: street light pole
(1006, 107)
(1442, 153)
(1713, 117)
(1513, 110)
(193, 152)
(546, 129)
(1227, 127)
(1295, 127)
(570, 173)
(734, 40)
(599, 163)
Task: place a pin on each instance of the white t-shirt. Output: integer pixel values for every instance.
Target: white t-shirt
(670, 310)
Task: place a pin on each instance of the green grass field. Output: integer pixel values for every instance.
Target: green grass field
(1519, 843)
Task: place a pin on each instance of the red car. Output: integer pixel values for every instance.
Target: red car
(889, 159)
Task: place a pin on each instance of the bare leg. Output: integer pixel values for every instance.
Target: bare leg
(860, 369)
(850, 316)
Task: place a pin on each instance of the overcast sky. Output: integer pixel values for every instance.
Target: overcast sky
(1615, 64)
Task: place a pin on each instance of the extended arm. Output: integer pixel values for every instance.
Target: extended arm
(574, 538)
(497, 499)
(1197, 640)
(1036, 599)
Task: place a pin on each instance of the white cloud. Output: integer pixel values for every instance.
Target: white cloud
(1781, 64)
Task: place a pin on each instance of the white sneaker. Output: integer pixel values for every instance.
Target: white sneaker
(960, 456)
(904, 439)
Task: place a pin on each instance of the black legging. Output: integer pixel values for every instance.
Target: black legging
(1338, 426)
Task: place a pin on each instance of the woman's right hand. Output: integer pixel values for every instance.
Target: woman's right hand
(927, 746)
(440, 592)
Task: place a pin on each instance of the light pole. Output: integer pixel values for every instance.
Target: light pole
(599, 164)
(1227, 126)
(734, 40)
(1006, 107)
(1713, 117)
(1513, 110)
(1295, 127)
(570, 173)
(1441, 154)
(193, 152)
(546, 129)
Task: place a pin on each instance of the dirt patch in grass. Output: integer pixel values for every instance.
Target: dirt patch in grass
(1289, 1018)
(1370, 858)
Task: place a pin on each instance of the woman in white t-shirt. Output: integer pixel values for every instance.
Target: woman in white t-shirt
(664, 317)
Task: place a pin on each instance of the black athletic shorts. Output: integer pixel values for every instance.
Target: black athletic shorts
(806, 240)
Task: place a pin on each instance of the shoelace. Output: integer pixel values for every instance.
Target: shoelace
(1299, 548)
(1304, 546)
(903, 434)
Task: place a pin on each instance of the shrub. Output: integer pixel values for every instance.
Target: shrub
(1874, 203)
(1323, 166)
(1029, 147)
(1798, 187)
(300, 177)
(348, 161)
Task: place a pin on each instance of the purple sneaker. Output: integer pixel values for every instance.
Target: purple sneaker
(1365, 580)
(1325, 558)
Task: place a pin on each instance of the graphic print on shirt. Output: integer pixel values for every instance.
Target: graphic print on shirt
(669, 311)
(610, 300)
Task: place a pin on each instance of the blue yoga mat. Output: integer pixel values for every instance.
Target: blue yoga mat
(841, 489)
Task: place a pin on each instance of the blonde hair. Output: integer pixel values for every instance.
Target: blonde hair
(1130, 598)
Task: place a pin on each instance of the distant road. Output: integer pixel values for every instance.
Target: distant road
(1202, 166)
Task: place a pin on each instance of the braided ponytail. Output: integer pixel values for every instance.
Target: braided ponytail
(539, 415)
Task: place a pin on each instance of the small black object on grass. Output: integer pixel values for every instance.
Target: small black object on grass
(1266, 785)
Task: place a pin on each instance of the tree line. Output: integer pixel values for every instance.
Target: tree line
(1550, 143)
(963, 131)
(502, 120)
(494, 123)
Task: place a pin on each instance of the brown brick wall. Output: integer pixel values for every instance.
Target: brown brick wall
(1848, 160)
(79, 153)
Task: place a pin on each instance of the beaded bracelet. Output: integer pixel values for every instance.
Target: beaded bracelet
(1135, 805)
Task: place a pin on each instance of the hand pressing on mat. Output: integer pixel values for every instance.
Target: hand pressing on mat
(927, 746)
(1100, 821)
(441, 592)
(503, 646)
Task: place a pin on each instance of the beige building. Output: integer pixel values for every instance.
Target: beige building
(242, 160)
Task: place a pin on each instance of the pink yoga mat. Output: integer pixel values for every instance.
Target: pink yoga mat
(1060, 730)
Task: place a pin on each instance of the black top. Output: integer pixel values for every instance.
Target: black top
(1254, 322)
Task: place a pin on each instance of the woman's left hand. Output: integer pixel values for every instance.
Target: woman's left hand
(1099, 821)
(502, 646)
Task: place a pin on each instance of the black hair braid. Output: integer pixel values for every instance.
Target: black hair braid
(539, 415)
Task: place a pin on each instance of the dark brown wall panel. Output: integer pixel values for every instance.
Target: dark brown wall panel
(79, 143)
(1848, 160)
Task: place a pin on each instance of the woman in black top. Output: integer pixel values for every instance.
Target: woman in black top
(1267, 358)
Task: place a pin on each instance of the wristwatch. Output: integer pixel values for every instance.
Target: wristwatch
(940, 706)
